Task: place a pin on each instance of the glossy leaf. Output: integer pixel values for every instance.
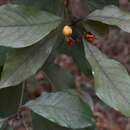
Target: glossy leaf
(63, 108)
(22, 63)
(40, 123)
(112, 15)
(112, 82)
(18, 29)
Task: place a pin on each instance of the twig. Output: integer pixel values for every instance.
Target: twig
(22, 94)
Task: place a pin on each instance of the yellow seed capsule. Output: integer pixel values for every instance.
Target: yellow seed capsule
(67, 31)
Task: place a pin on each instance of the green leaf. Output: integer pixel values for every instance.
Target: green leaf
(18, 29)
(40, 123)
(9, 100)
(112, 15)
(63, 108)
(94, 4)
(56, 7)
(79, 58)
(112, 82)
(23, 63)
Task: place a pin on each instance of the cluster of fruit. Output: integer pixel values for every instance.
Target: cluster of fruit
(72, 38)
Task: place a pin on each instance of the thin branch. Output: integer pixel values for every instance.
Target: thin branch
(22, 94)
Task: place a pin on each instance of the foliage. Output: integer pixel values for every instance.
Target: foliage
(32, 38)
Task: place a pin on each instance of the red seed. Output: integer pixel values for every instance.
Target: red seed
(90, 38)
(71, 43)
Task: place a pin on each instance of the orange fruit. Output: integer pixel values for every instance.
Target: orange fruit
(67, 31)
